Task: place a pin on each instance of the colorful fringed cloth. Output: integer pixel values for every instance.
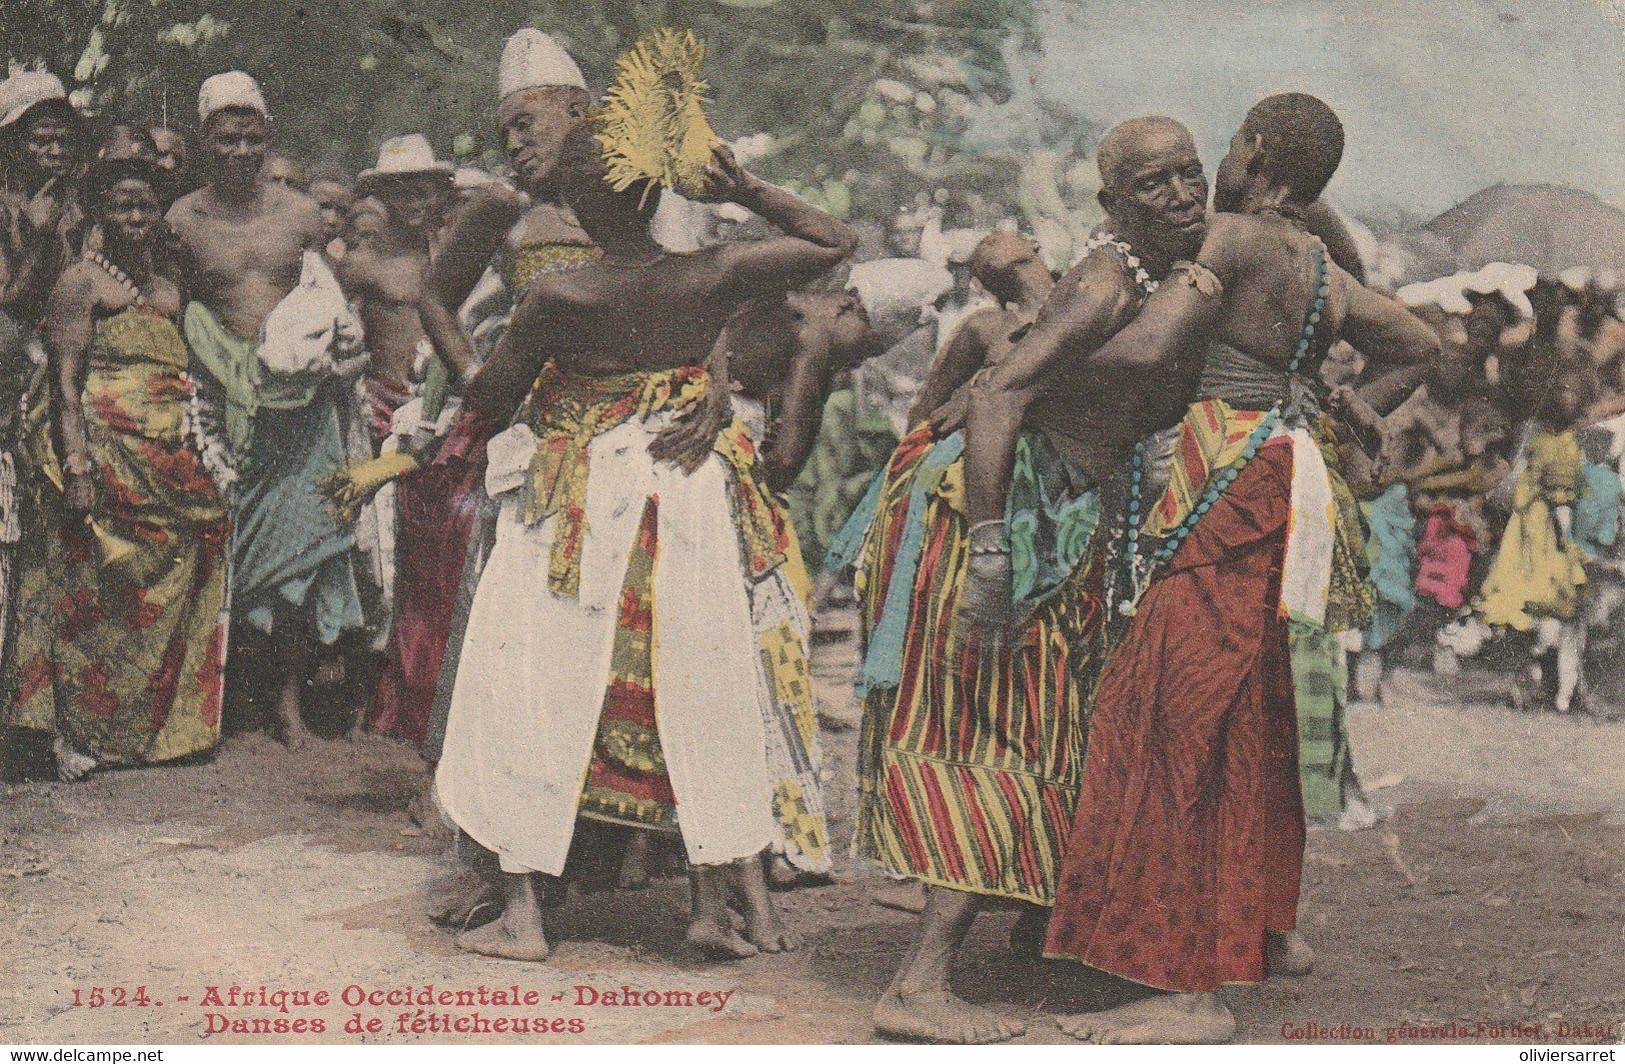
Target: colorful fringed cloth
(567, 411)
(1212, 438)
(970, 758)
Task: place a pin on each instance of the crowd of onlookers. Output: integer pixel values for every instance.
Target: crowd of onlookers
(1492, 493)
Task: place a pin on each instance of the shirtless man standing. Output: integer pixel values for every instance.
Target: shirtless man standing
(250, 242)
(501, 240)
(630, 413)
(406, 328)
(386, 274)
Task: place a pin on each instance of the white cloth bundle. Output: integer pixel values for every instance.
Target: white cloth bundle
(313, 329)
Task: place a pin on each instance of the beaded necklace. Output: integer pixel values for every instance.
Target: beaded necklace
(1136, 571)
(1148, 284)
(118, 275)
(1105, 238)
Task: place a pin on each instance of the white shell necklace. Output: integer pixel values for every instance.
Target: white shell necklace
(118, 275)
(1106, 238)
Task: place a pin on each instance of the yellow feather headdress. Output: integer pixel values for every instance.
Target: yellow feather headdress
(652, 125)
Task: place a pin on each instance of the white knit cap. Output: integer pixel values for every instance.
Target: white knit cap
(231, 89)
(24, 89)
(532, 60)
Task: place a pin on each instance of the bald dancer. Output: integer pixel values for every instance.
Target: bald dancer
(971, 753)
(1187, 847)
(251, 245)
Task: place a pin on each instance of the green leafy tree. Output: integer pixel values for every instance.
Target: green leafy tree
(864, 102)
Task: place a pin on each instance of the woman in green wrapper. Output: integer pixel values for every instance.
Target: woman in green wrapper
(127, 670)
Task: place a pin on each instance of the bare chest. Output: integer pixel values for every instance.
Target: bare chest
(227, 253)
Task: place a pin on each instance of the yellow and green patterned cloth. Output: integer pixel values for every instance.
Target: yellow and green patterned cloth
(124, 660)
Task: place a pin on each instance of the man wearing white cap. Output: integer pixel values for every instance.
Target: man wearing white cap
(501, 241)
(40, 220)
(261, 293)
(542, 97)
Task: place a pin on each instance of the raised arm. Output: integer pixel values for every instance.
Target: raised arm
(69, 325)
(956, 363)
(813, 243)
(1383, 330)
(1082, 312)
(474, 237)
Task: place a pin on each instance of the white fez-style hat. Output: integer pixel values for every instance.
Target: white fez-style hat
(533, 60)
(231, 89)
(406, 154)
(25, 89)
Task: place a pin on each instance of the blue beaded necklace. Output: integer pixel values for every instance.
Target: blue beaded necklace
(1219, 481)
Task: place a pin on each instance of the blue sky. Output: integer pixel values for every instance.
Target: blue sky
(1439, 98)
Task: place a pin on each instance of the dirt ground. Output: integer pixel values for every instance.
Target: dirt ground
(1488, 906)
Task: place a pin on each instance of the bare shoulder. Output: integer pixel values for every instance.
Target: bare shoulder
(186, 210)
(1241, 231)
(1101, 274)
(293, 204)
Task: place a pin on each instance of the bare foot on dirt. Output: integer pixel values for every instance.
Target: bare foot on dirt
(515, 939)
(781, 874)
(1288, 953)
(71, 764)
(767, 932)
(938, 1016)
(712, 938)
(1167, 1019)
(909, 897)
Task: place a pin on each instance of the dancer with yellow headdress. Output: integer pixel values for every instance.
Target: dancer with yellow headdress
(614, 665)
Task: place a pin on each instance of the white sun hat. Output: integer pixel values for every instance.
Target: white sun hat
(533, 60)
(404, 155)
(231, 89)
(24, 89)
